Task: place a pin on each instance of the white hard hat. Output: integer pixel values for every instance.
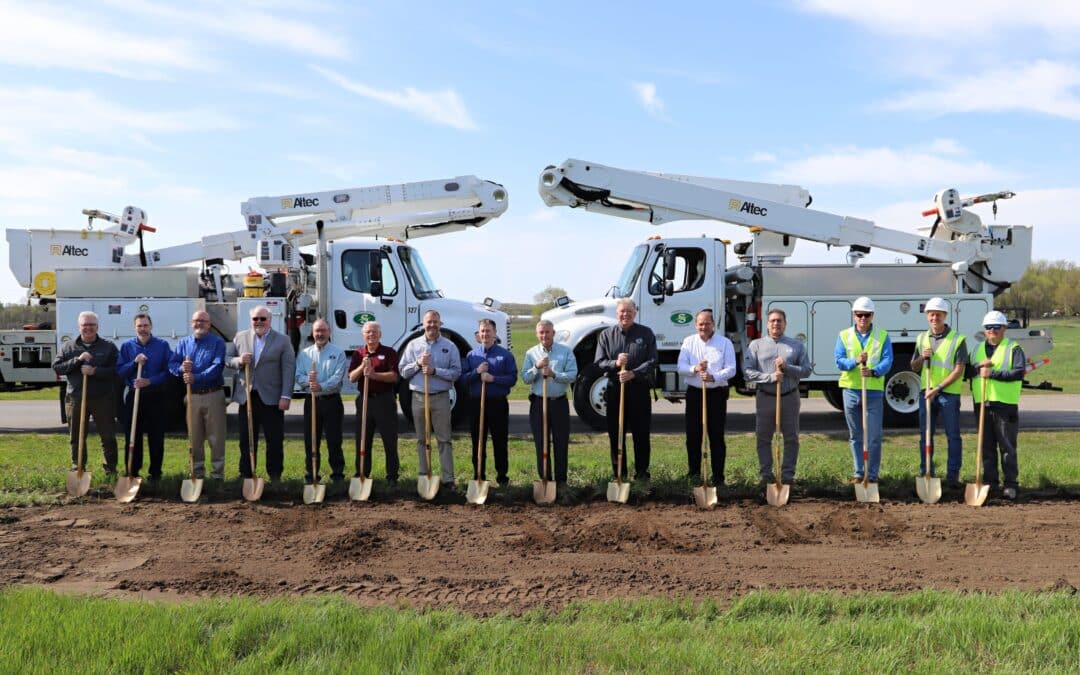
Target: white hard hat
(936, 305)
(863, 304)
(995, 318)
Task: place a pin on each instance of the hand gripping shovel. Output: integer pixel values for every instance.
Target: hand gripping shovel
(127, 486)
(477, 491)
(704, 495)
(426, 484)
(78, 480)
(314, 492)
(866, 491)
(544, 489)
(777, 494)
(360, 485)
(191, 488)
(926, 486)
(253, 487)
(975, 493)
(617, 490)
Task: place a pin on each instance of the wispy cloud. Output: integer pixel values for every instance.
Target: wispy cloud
(1046, 87)
(346, 173)
(38, 35)
(649, 100)
(763, 157)
(941, 162)
(444, 107)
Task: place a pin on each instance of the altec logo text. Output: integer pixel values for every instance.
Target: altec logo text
(299, 202)
(747, 207)
(57, 249)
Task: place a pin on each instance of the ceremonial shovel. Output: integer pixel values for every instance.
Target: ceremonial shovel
(477, 491)
(777, 494)
(617, 490)
(926, 486)
(427, 485)
(253, 487)
(360, 486)
(127, 486)
(314, 492)
(191, 488)
(704, 496)
(975, 493)
(865, 491)
(544, 489)
(78, 480)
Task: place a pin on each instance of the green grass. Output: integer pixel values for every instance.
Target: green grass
(47, 394)
(1064, 367)
(793, 632)
(33, 466)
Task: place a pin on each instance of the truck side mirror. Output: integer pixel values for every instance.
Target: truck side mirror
(339, 318)
(376, 288)
(669, 265)
(375, 269)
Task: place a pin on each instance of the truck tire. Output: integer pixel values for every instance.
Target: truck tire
(902, 391)
(589, 398)
(835, 396)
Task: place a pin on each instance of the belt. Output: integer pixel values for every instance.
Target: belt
(534, 397)
(325, 394)
(211, 390)
(373, 394)
(773, 393)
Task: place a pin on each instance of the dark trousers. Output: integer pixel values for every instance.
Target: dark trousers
(558, 435)
(272, 422)
(716, 399)
(1002, 424)
(151, 423)
(103, 410)
(637, 418)
(329, 414)
(381, 416)
(496, 421)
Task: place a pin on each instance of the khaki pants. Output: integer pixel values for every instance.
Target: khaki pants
(103, 410)
(440, 425)
(208, 424)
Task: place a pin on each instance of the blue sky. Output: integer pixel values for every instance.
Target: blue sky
(187, 109)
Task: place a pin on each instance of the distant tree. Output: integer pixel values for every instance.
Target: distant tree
(19, 315)
(1046, 287)
(545, 299)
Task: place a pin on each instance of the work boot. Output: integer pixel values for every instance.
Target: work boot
(1009, 493)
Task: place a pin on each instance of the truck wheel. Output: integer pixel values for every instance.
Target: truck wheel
(902, 391)
(835, 397)
(459, 418)
(589, 398)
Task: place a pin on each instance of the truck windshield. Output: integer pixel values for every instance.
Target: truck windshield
(421, 282)
(625, 285)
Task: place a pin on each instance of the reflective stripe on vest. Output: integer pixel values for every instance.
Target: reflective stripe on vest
(852, 379)
(943, 361)
(996, 390)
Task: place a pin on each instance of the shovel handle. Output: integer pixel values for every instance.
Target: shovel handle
(134, 421)
(480, 441)
(622, 437)
(978, 444)
(704, 435)
(82, 429)
(776, 432)
(250, 417)
(363, 432)
(544, 429)
(427, 425)
(190, 424)
(314, 433)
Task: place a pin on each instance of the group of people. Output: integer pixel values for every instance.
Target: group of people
(269, 371)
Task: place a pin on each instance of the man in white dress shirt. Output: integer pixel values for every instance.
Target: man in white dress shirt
(706, 361)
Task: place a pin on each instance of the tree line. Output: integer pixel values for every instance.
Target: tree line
(1048, 288)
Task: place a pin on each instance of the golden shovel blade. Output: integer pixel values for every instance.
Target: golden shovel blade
(867, 493)
(427, 487)
(253, 489)
(618, 492)
(190, 490)
(359, 489)
(544, 491)
(975, 494)
(704, 496)
(477, 492)
(777, 494)
(928, 488)
(78, 484)
(314, 493)
(126, 488)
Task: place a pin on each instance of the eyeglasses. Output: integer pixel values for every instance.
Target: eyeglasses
(863, 315)
(995, 326)
(259, 319)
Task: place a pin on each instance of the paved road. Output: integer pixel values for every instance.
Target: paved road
(1055, 411)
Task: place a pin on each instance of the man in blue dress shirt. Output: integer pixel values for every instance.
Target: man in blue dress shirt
(205, 373)
(495, 365)
(154, 354)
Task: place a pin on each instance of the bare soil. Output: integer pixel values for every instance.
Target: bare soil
(517, 556)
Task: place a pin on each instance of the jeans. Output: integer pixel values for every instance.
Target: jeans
(875, 412)
(948, 406)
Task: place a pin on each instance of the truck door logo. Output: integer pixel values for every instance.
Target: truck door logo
(360, 318)
(681, 318)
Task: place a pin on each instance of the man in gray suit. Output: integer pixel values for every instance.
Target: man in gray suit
(273, 365)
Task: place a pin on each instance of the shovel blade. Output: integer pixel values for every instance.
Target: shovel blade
(427, 487)
(126, 488)
(777, 495)
(544, 491)
(704, 497)
(928, 489)
(477, 492)
(359, 489)
(975, 494)
(78, 485)
(253, 489)
(190, 490)
(314, 494)
(618, 492)
(867, 493)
